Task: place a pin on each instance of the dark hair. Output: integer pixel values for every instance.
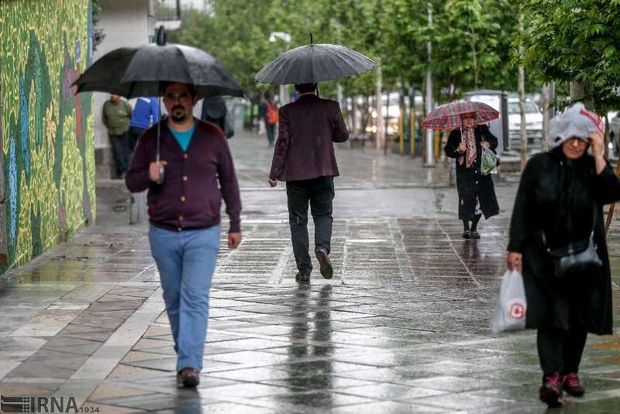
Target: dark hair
(267, 95)
(305, 87)
(193, 91)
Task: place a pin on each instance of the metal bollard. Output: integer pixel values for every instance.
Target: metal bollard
(138, 213)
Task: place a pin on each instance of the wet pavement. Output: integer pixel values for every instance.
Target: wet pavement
(401, 328)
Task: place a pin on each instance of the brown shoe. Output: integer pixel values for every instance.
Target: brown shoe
(302, 278)
(188, 377)
(326, 266)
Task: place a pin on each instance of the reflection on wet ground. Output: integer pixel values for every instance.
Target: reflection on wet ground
(402, 327)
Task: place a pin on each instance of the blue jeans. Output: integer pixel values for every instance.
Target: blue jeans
(186, 262)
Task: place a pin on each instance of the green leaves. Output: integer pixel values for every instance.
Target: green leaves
(474, 41)
(576, 41)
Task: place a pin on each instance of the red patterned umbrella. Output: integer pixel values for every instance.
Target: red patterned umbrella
(448, 116)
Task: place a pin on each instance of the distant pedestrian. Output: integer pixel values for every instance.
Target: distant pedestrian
(184, 212)
(214, 110)
(293, 96)
(476, 191)
(116, 116)
(269, 113)
(559, 208)
(145, 114)
(304, 158)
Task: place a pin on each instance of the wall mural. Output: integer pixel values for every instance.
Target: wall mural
(47, 165)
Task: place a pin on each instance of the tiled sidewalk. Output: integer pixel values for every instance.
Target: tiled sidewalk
(402, 327)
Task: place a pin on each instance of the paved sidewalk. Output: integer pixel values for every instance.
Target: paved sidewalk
(402, 327)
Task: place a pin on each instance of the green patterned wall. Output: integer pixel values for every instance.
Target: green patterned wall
(46, 132)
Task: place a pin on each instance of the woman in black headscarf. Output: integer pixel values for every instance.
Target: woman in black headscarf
(559, 203)
(476, 191)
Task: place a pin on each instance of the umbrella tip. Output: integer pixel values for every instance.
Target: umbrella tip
(161, 36)
(311, 39)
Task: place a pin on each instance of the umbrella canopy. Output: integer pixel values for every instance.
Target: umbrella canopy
(313, 63)
(448, 116)
(134, 72)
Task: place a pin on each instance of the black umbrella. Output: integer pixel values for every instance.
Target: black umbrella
(134, 72)
(313, 63)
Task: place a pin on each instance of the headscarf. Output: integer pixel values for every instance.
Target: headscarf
(575, 122)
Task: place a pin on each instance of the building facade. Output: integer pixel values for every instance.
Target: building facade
(125, 24)
(47, 163)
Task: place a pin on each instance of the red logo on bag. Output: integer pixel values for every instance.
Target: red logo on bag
(516, 309)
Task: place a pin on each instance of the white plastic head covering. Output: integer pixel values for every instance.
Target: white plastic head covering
(575, 122)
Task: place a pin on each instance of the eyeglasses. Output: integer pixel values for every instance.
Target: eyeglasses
(172, 96)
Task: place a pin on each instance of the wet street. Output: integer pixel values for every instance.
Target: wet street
(403, 327)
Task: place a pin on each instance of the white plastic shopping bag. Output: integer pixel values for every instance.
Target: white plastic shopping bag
(512, 306)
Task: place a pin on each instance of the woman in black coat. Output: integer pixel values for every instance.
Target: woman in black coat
(559, 201)
(476, 191)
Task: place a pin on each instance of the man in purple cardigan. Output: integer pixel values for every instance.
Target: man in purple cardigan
(184, 215)
(304, 158)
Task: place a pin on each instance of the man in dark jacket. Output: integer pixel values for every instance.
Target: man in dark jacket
(184, 212)
(304, 158)
(214, 110)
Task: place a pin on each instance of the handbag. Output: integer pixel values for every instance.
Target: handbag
(511, 308)
(488, 161)
(576, 257)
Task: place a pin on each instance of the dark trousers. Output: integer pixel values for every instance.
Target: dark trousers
(120, 151)
(560, 351)
(134, 135)
(319, 193)
(271, 132)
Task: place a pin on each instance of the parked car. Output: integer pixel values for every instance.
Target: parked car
(533, 124)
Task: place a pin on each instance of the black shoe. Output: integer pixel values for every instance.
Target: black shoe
(551, 391)
(326, 266)
(474, 234)
(188, 377)
(466, 234)
(302, 278)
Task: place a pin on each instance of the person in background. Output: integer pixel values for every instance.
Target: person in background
(184, 215)
(559, 201)
(476, 191)
(214, 110)
(269, 113)
(145, 114)
(116, 116)
(304, 157)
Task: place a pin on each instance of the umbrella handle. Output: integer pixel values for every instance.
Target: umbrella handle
(162, 171)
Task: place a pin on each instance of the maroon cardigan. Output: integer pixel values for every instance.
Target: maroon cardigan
(189, 197)
(304, 149)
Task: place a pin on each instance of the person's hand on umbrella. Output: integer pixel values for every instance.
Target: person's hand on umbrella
(461, 148)
(154, 169)
(273, 182)
(234, 239)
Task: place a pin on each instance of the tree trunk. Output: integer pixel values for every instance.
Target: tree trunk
(546, 109)
(353, 114)
(412, 120)
(380, 133)
(582, 92)
(521, 88)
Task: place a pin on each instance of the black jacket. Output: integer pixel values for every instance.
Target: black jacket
(563, 198)
(469, 182)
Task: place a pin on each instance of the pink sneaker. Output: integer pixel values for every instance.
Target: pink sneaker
(551, 391)
(572, 385)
